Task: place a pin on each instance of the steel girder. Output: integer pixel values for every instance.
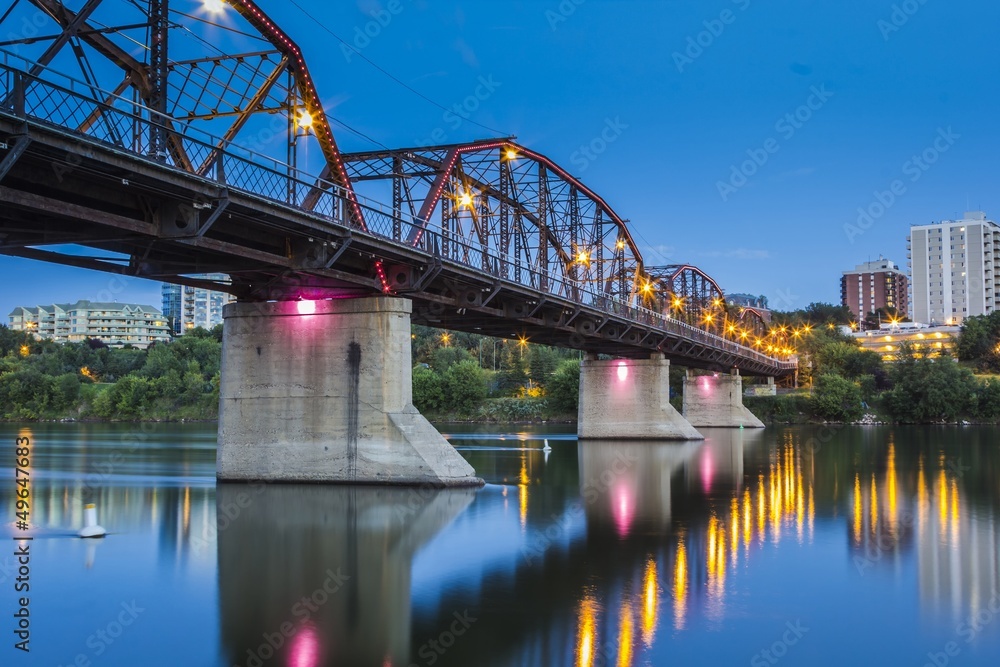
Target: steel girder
(192, 79)
(509, 211)
(754, 323)
(687, 293)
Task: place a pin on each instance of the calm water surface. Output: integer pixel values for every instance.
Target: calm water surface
(798, 546)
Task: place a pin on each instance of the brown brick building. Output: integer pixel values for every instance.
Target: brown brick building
(874, 285)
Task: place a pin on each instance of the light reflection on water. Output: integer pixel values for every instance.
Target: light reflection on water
(883, 542)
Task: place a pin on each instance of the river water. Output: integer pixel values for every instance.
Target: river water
(793, 546)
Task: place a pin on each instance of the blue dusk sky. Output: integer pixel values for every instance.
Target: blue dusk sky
(742, 136)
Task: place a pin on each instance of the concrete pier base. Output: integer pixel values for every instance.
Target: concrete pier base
(321, 392)
(717, 401)
(629, 399)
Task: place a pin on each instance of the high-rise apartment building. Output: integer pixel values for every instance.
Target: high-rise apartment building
(874, 285)
(190, 307)
(115, 324)
(953, 269)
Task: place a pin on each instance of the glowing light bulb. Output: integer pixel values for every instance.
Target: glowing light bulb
(214, 6)
(305, 120)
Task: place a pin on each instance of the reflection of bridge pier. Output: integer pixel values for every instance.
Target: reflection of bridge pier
(718, 463)
(626, 484)
(329, 578)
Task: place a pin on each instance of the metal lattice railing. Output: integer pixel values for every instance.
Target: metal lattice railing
(71, 105)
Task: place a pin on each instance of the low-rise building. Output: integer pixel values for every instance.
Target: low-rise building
(114, 324)
(927, 341)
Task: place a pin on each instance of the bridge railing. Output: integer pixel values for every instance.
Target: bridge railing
(68, 104)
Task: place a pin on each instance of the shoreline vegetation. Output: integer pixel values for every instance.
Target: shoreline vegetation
(464, 378)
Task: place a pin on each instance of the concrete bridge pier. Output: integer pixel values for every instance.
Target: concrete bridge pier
(629, 399)
(717, 401)
(320, 391)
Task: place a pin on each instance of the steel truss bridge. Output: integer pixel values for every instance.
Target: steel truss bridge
(177, 141)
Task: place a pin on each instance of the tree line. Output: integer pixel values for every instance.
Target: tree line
(466, 376)
(41, 379)
(916, 386)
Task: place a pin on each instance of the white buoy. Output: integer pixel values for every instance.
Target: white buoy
(90, 527)
(546, 448)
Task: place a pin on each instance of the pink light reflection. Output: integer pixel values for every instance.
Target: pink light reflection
(307, 307)
(304, 648)
(623, 507)
(707, 469)
(622, 371)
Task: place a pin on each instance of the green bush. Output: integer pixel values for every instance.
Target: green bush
(444, 358)
(930, 390)
(464, 386)
(988, 401)
(836, 399)
(979, 342)
(513, 409)
(563, 391)
(784, 408)
(428, 389)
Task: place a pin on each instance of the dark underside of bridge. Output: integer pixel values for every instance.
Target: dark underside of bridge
(165, 224)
